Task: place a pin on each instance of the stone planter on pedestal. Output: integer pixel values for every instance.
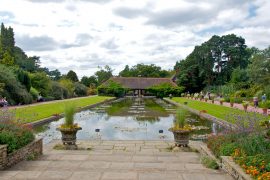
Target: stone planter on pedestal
(181, 137)
(69, 137)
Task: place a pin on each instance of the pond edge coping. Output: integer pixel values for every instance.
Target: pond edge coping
(204, 115)
(58, 116)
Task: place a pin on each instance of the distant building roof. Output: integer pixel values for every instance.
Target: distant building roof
(141, 82)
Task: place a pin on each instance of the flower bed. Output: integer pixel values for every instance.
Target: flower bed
(250, 151)
(17, 143)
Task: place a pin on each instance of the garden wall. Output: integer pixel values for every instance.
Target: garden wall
(7, 160)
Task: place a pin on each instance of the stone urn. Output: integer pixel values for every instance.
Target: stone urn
(69, 137)
(181, 137)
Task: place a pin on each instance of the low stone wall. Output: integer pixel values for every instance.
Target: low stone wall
(204, 115)
(233, 169)
(7, 160)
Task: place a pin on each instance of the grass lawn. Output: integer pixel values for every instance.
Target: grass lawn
(36, 112)
(218, 111)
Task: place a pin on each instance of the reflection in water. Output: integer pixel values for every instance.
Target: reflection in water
(129, 119)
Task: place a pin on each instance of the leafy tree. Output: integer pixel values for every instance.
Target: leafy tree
(89, 81)
(41, 82)
(142, 70)
(103, 74)
(55, 74)
(72, 76)
(259, 69)
(213, 62)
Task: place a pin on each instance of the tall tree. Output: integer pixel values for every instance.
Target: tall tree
(72, 76)
(103, 74)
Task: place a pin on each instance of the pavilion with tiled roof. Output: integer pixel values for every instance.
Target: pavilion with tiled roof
(139, 84)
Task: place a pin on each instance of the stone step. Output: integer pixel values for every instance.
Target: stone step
(109, 174)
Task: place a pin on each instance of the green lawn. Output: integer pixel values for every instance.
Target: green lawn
(40, 111)
(218, 111)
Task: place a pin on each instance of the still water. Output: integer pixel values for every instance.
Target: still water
(129, 119)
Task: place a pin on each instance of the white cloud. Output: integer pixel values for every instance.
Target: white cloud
(82, 35)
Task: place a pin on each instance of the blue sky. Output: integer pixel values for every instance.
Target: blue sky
(84, 34)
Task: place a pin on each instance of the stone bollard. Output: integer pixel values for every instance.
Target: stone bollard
(3, 156)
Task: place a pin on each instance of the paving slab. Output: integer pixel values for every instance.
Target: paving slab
(136, 160)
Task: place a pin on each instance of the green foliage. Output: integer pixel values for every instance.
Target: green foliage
(80, 89)
(89, 81)
(143, 70)
(34, 93)
(103, 74)
(24, 78)
(180, 120)
(41, 82)
(209, 162)
(58, 91)
(68, 85)
(259, 69)
(165, 89)
(7, 59)
(13, 90)
(15, 136)
(71, 75)
(70, 110)
(111, 88)
(212, 63)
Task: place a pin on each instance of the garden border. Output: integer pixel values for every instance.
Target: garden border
(32, 149)
(233, 169)
(56, 117)
(204, 115)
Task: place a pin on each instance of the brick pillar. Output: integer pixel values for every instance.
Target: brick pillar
(3, 156)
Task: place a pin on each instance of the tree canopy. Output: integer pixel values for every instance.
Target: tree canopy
(143, 70)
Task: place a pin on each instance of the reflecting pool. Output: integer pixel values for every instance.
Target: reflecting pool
(129, 119)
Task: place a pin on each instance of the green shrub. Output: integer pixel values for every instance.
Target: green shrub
(15, 136)
(80, 89)
(111, 88)
(58, 91)
(34, 93)
(165, 89)
(12, 89)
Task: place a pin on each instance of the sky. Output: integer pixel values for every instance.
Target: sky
(82, 35)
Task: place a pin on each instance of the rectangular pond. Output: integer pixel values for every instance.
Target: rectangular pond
(129, 119)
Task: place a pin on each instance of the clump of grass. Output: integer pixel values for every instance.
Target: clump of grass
(209, 162)
(69, 114)
(59, 147)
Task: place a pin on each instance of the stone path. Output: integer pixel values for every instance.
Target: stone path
(115, 160)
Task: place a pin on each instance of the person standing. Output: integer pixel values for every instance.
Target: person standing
(264, 98)
(255, 101)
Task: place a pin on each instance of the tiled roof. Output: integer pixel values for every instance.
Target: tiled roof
(141, 82)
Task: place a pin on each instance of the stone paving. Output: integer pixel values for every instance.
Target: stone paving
(102, 160)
